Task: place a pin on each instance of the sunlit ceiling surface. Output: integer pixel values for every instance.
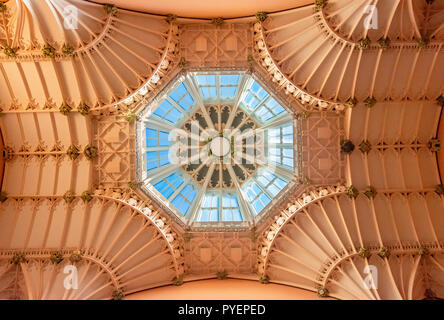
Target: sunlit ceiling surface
(216, 148)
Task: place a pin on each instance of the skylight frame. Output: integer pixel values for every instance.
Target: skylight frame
(281, 146)
(194, 75)
(221, 225)
(254, 182)
(262, 102)
(221, 207)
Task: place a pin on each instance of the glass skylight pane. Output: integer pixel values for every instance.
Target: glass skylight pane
(201, 80)
(261, 111)
(224, 92)
(274, 151)
(151, 165)
(255, 87)
(172, 177)
(151, 155)
(186, 189)
(268, 175)
(205, 215)
(265, 199)
(259, 91)
(186, 102)
(237, 216)
(271, 103)
(226, 201)
(207, 202)
(250, 194)
(171, 118)
(287, 139)
(164, 135)
(225, 79)
(184, 208)
(161, 185)
(175, 95)
(281, 183)
(273, 189)
(164, 162)
(267, 116)
(231, 215)
(159, 112)
(288, 152)
(274, 140)
(274, 159)
(176, 113)
(206, 92)
(214, 201)
(288, 162)
(210, 208)
(151, 142)
(287, 129)
(151, 133)
(177, 183)
(164, 107)
(191, 195)
(250, 102)
(232, 92)
(256, 188)
(262, 180)
(177, 201)
(258, 206)
(273, 132)
(278, 109)
(167, 192)
(211, 79)
(214, 216)
(175, 180)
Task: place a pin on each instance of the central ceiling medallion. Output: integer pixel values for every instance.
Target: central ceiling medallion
(216, 149)
(220, 146)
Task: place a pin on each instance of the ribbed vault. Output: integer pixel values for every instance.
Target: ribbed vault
(306, 53)
(389, 212)
(98, 59)
(116, 244)
(327, 238)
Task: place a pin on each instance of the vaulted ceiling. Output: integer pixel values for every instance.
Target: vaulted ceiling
(208, 9)
(97, 59)
(68, 127)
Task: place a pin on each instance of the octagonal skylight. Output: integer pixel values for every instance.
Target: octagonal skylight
(216, 149)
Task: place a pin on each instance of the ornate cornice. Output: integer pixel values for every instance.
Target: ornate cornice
(319, 16)
(88, 254)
